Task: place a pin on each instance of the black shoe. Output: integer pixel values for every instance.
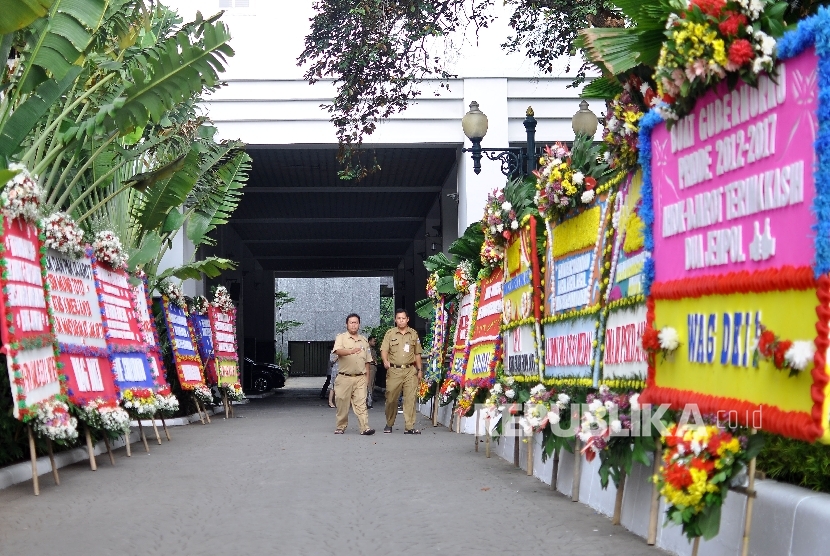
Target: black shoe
(387, 429)
(368, 432)
(369, 406)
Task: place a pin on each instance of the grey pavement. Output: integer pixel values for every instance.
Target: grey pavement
(276, 480)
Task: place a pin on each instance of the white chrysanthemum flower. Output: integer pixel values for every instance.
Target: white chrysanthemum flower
(538, 389)
(500, 228)
(594, 406)
(564, 399)
(510, 393)
(616, 426)
(578, 177)
(497, 389)
(800, 354)
(604, 390)
(634, 401)
(609, 405)
(553, 417)
(493, 229)
(587, 196)
(669, 339)
(506, 205)
(509, 381)
(588, 418)
(514, 225)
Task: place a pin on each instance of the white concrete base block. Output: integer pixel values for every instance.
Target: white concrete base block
(787, 520)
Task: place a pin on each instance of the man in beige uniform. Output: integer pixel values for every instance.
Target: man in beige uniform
(401, 354)
(352, 350)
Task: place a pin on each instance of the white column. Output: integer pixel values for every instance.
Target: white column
(491, 95)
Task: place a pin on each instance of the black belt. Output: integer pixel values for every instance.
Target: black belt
(347, 374)
(402, 366)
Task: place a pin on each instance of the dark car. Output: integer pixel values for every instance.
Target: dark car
(264, 376)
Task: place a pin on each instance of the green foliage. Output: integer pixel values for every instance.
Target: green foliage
(546, 29)
(17, 14)
(796, 462)
(221, 201)
(377, 53)
(210, 267)
(54, 45)
(169, 74)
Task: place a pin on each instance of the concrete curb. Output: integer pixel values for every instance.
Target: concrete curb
(787, 519)
(22, 472)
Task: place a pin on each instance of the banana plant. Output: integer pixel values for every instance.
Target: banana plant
(100, 104)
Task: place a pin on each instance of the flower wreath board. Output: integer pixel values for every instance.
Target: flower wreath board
(26, 326)
(574, 268)
(125, 342)
(79, 328)
(463, 330)
(226, 360)
(438, 349)
(741, 241)
(521, 311)
(147, 324)
(27, 332)
(623, 356)
(183, 342)
(484, 350)
(204, 342)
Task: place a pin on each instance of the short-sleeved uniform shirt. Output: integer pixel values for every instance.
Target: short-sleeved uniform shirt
(402, 346)
(354, 364)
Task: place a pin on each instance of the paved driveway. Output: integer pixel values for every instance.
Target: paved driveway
(275, 480)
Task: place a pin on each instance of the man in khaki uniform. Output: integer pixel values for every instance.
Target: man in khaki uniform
(353, 354)
(401, 354)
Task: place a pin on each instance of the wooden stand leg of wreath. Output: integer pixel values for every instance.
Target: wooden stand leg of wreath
(128, 441)
(617, 519)
(90, 450)
(199, 409)
(33, 455)
(458, 423)
(227, 406)
(164, 425)
(435, 410)
(516, 439)
(155, 429)
(695, 546)
(452, 416)
(230, 405)
(577, 471)
(530, 455)
(476, 416)
(655, 498)
(487, 436)
(750, 493)
(109, 449)
(143, 438)
(554, 473)
(52, 462)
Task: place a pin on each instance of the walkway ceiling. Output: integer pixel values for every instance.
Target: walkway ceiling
(297, 216)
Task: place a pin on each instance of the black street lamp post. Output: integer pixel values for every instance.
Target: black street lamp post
(513, 159)
(517, 159)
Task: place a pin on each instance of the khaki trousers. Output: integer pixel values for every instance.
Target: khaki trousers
(350, 389)
(370, 387)
(397, 380)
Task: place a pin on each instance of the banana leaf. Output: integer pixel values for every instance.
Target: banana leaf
(17, 14)
(57, 43)
(218, 205)
(210, 267)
